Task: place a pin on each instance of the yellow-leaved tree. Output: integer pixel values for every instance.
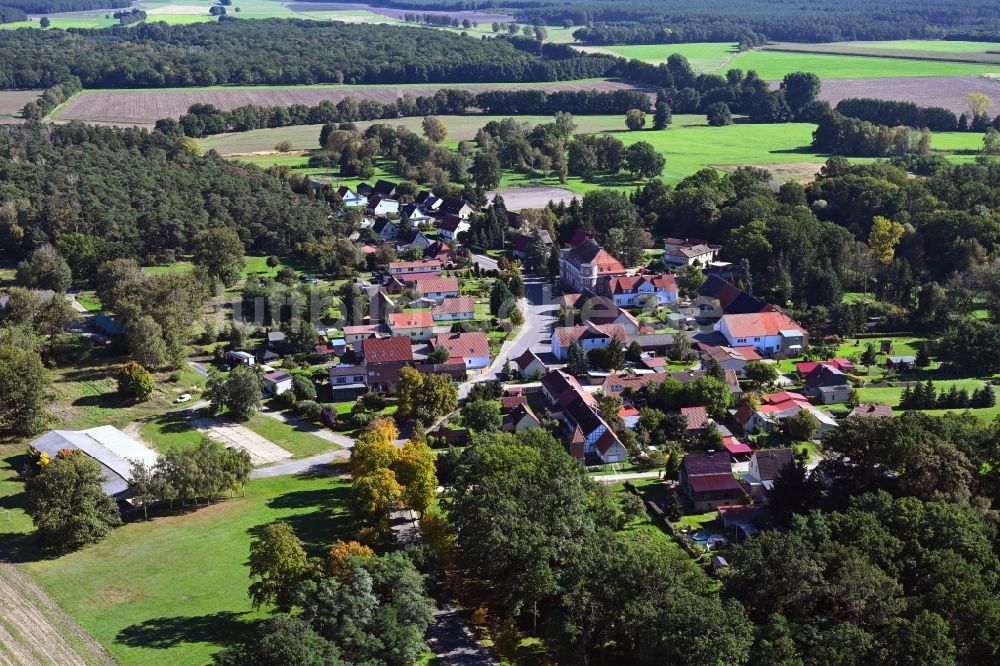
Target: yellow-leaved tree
(883, 238)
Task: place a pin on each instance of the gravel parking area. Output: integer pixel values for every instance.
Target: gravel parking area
(262, 451)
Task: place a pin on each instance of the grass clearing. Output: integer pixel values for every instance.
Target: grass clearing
(174, 590)
(300, 443)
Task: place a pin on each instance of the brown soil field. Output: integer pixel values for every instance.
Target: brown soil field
(12, 101)
(35, 631)
(945, 91)
(517, 198)
(799, 172)
(145, 107)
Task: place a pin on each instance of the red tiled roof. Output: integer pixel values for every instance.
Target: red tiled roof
(437, 285)
(567, 335)
(607, 441)
(760, 324)
(842, 364)
(510, 402)
(456, 305)
(421, 319)
(713, 482)
(621, 284)
(387, 350)
(463, 345)
(589, 252)
(425, 265)
(774, 398)
(735, 446)
(627, 410)
(696, 417)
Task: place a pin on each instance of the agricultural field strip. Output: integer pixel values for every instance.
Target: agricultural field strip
(853, 50)
(148, 106)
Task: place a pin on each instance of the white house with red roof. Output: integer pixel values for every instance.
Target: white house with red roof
(405, 269)
(767, 332)
(588, 433)
(437, 288)
(590, 336)
(588, 266)
(639, 290)
(382, 360)
(455, 309)
(418, 326)
(472, 348)
(730, 358)
(686, 251)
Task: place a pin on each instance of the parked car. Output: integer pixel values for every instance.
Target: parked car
(183, 397)
(225, 367)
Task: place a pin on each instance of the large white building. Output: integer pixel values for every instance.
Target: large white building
(588, 266)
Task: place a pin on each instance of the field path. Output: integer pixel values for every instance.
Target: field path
(35, 631)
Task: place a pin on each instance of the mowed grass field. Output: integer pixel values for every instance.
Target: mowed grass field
(174, 590)
(718, 57)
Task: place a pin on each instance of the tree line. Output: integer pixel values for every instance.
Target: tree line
(154, 55)
(838, 134)
(50, 98)
(934, 118)
(206, 119)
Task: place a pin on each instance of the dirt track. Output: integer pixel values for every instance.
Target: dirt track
(35, 631)
(145, 107)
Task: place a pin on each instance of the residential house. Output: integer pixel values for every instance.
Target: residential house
(109, 446)
(716, 297)
(380, 306)
(844, 365)
(437, 288)
(407, 269)
(587, 434)
(379, 205)
(600, 310)
(828, 384)
(383, 359)
(660, 344)
(417, 326)
(519, 246)
(687, 251)
(740, 522)
(105, 324)
(520, 418)
(588, 266)
(351, 198)
(451, 226)
(707, 482)
(766, 466)
(590, 336)
(900, 362)
(776, 408)
(365, 190)
(696, 418)
(729, 358)
(616, 384)
(240, 358)
(639, 291)
(385, 229)
(629, 415)
(417, 214)
(455, 206)
(866, 410)
(528, 365)
(347, 382)
(441, 252)
(355, 334)
(415, 240)
(384, 188)
(767, 332)
(473, 348)
(455, 308)
(277, 382)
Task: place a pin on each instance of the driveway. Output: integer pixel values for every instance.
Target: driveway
(485, 262)
(318, 464)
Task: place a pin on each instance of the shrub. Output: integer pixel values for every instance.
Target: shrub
(303, 388)
(361, 419)
(309, 409)
(328, 416)
(373, 402)
(135, 382)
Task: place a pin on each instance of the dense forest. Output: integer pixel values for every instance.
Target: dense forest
(288, 52)
(17, 10)
(138, 194)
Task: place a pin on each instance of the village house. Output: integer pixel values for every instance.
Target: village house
(637, 291)
(828, 384)
(707, 482)
(379, 205)
(866, 410)
(414, 241)
(900, 362)
(455, 206)
(417, 214)
(616, 383)
(240, 358)
(383, 359)
(729, 358)
(775, 409)
(687, 251)
(766, 466)
(587, 434)
(767, 332)
(696, 418)
(442, 252)
(519, 246)
(803, 368)
(385, 229)
(455, 308)
(277, 382)
(590, 336)
(601, 310)
(384, 188)
(451, 226)
(407, 269)
(520, 418)
(437, 288)
(418, 326)
(717, 297)
(528, 365)
(347, 382)
(473, 348)
(355, 334)
(588, 266)
(351, 198)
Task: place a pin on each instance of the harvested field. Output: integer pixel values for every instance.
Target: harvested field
(34, 630)
(516, 198)
(946, 91)
(12, 101)
(475, 17)
(800, 172)
(145, 107)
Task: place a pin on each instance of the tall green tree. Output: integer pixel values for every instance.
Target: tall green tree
(278, 564)
(24, 390)
(220, 252)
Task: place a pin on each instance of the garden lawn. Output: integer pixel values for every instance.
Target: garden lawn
(174, 590)
(299, 443)
(889, 395)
